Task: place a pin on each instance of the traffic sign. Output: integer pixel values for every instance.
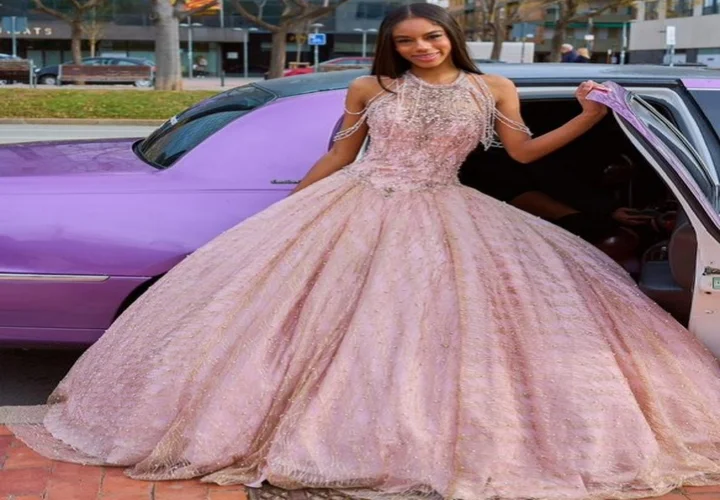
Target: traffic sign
(670, 35)
(317, 39)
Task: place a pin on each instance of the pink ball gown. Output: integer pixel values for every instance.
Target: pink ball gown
(389, 332)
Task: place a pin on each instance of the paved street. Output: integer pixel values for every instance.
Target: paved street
(31, 132)
(210, 83)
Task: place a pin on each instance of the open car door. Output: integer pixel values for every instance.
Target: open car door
(689, 179)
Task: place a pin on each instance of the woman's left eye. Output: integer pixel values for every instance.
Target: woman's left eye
(433, 37)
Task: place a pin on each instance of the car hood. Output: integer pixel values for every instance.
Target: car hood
(70, 157)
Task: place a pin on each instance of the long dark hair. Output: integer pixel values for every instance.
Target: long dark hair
(389, 63)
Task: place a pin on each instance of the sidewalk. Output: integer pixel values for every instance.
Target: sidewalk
(25, 475)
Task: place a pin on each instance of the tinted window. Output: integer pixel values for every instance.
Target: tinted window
(709, 102)
(122, 62)
(676, 144)
(183, 132)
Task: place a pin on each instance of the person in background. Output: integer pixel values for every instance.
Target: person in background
(583, 55)
(569, 54)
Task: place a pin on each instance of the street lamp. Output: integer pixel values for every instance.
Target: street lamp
(590, 37)
(190, 25)
(316, 51)
(246, 39)
(364, 38)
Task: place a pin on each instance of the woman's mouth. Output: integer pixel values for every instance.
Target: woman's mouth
(427, 57)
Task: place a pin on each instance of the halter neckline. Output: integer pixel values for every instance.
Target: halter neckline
(425, 83)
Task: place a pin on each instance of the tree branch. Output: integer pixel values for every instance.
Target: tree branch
(318, 12)
(39, 5)
(253, 18)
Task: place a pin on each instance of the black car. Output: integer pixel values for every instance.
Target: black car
(49, 74)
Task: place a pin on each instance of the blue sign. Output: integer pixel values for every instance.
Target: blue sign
(19, 24)
(317, 39)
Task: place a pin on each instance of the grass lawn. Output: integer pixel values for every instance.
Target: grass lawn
(98, 104)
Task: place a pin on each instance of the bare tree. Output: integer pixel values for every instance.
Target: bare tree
(261, 7)
(94, 30)
(167, 15)
(75, 17)
(493, 17)
(295, 14)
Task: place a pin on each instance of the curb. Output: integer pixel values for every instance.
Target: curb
(80, 121)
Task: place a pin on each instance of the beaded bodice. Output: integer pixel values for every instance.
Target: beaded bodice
(420, 133)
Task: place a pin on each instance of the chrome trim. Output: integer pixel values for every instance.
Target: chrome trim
(54, 278)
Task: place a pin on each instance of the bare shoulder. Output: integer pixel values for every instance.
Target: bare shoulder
(367, 87)
(500, 86)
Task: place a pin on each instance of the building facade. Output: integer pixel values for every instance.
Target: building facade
(697, 32)
(537, 22)
(125, 28)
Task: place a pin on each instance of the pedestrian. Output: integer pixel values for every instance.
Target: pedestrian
(583, 55)
(387, 332)
(569, 54)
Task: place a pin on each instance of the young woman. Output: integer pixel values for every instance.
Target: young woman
(387, 331)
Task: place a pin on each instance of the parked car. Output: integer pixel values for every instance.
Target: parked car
(49, 74)
(337, 64)
(344, 63)
(7, 57)
(88, 226)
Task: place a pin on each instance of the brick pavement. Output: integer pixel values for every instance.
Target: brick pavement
(25, 475)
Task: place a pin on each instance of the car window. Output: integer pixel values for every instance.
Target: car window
(676, 144)
(122, 62)
(92, 62)
(184, 132)
(709, 102)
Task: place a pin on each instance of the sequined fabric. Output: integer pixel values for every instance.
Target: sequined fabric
(387, 332)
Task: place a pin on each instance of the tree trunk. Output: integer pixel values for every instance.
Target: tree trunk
(498, 38)
(167, 47)
(76, 32)
(278, 54)
(558, 40)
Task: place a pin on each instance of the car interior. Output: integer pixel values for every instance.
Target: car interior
(597, 174)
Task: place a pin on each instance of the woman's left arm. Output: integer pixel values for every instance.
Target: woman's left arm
(525, 149)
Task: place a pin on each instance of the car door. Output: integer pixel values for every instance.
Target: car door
(685, 173)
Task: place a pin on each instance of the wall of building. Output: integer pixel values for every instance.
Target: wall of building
(691, 32)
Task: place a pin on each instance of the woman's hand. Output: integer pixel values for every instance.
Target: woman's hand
(589, 107)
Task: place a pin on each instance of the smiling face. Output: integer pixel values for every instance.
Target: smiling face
(422, 43)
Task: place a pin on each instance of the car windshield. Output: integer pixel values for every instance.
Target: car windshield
(182, 133)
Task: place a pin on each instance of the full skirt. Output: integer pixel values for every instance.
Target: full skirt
(433, 342)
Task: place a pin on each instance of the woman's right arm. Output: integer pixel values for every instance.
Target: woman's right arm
(344, 151)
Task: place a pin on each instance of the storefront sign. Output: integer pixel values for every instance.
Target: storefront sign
(29, 31)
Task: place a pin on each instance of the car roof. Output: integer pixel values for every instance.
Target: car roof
(522, 74)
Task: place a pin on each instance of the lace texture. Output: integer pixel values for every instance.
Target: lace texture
(388, 333)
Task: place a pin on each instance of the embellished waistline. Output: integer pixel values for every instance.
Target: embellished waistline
(389, 185)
